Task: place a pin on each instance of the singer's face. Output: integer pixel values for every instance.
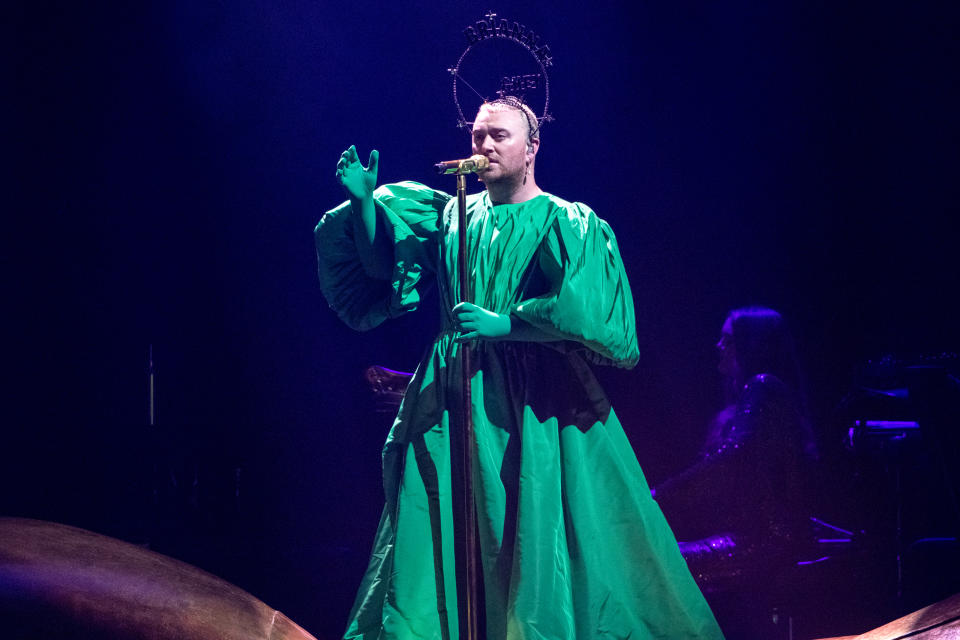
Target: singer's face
(501, 136)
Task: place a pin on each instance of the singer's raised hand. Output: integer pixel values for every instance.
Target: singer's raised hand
(358, 181)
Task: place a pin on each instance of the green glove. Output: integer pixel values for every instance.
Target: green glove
(480, 323)
(358, 181)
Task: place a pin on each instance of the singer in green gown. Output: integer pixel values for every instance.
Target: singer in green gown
(572, 544)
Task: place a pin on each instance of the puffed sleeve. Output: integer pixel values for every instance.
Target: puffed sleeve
(589, 302)
(410, 213)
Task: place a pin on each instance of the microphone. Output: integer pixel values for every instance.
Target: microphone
(467, 165)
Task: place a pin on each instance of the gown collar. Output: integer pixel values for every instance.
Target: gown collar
(501, 213)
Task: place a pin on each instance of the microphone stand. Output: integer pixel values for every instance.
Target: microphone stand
(469, 618)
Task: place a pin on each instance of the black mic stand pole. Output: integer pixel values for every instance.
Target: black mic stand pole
(472, 604)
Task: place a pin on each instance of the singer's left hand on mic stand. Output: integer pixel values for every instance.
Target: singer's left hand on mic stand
(479, 322)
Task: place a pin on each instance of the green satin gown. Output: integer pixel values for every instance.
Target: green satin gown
(572, 544)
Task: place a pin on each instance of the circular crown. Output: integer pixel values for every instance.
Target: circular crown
(506, 63)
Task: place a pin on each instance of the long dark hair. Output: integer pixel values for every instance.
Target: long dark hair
(765, 345)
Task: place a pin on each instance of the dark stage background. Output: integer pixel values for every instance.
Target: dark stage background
(171, 159)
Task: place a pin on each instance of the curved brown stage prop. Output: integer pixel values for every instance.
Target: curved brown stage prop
(940, 621)
(58, 581)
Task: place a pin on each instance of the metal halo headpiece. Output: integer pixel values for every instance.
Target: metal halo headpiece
(525, 61)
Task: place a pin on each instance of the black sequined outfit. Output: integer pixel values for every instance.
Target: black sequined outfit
(744, 506)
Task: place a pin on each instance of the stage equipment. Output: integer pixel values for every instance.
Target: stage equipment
(151, 390)
(892, 395)
(472, 607)
(502, 58)
(901, 421)
(58, 581)
(388, 387)
(940, 621)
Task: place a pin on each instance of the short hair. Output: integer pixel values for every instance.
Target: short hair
(513, 103)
